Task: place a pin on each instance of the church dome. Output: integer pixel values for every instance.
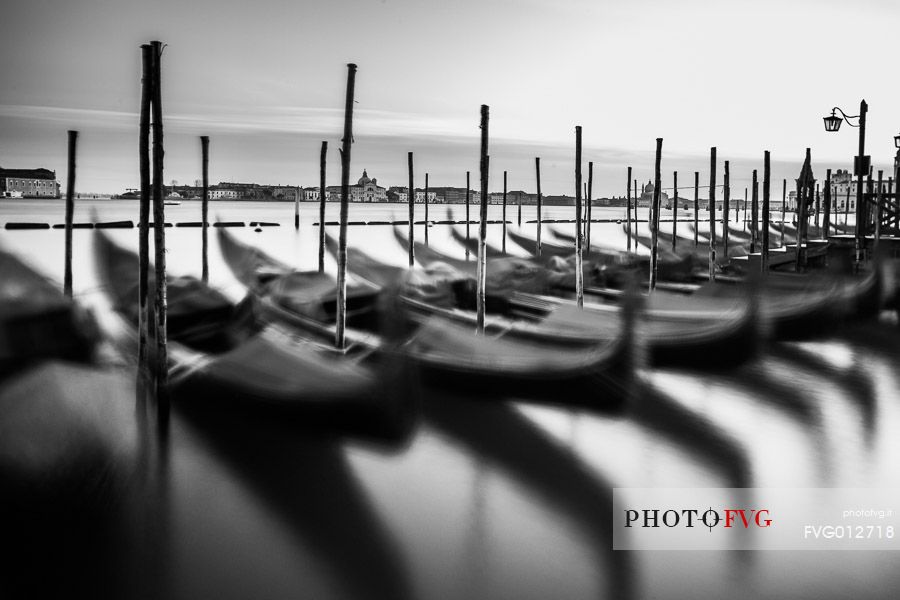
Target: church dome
(364, 179)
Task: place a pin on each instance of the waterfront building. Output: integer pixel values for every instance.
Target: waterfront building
(217, 193)
(286, 193)
(310, 194)
(400, 194)
(451, 195)
(28, 183)
(646, 197)
(551, 200)
(365, 190)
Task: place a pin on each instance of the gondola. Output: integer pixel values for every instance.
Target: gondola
(554, 363)
(308, 298)
(38, 322)
(790, 306)
(223, 356)
(699, 253)
(800, 306)
(551, 277)
(672, 328)
(672, 268)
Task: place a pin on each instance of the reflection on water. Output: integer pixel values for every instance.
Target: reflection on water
(489, 498)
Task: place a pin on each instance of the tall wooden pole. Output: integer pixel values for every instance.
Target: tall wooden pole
(675, 211)
(468, 186)
(868, 208)
(70, 212)
(827, 219)
(579, 270)
(297, 210)
(696, 207)
(712, 214)
(801, 214)
(783, 208)
(519, 206)
(726, 200)
(847, 206)
(634, 215)
(590, 191)
(346, 144)
(654, 230)
(159, 237)
(426, 209)
(504, 211)
(411, 196)
(628, 212)
(878, 196)
(859, 238)
(765, 211)
(818, 208)
(204, 212)
(144, 220)
(754, 214)
(744, 228)
(537, 170)
(323, 196)
(482, 223)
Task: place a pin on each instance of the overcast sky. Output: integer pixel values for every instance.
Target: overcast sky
(265, 80)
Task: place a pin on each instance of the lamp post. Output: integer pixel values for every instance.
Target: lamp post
(860, 166)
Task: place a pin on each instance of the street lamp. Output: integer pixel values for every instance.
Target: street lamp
(861, 164)
(833, 123)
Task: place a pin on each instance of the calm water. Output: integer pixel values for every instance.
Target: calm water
(495, 499)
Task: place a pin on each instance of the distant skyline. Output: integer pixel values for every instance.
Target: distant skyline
(265, 81)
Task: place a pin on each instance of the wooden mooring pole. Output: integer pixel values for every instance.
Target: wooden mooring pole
(590, 191)
(322, 197)
(426, 209)
(519, 206)
(468, 186)
(144, 218)
(826, 224)
(411, 196)
(482, 221)
(847, 207)
(346, 143)
(537, 170)
(726, 200)
(879, 194)
(297, 210)
(712, 213)
(628, 212)
(159, 238)
(675, 211)
(765, 212)
(634, 216)
(579, 271)
(754, 214)
(204, 210)
(654, 229)
(70, 212)
(783, 208)
(696, 207)
(744, 228)
(818, 209)
(504, 212)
